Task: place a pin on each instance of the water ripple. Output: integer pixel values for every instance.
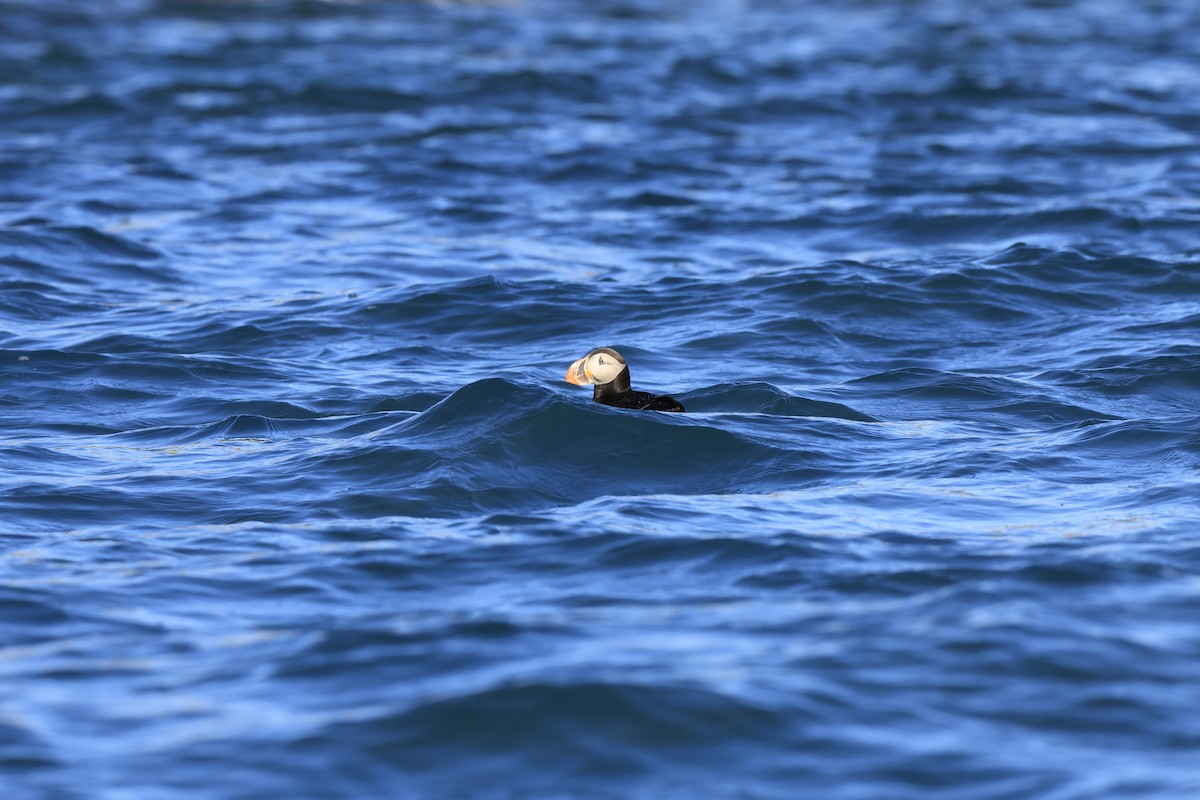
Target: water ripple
(290, 481)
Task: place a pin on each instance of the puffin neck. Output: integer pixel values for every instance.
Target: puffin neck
(617, 386)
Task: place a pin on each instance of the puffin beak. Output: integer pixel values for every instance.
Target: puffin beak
(577, 373)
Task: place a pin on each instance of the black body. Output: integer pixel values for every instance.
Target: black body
(618, 393)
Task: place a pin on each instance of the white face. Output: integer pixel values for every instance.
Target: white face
(598, 366)
(603, 367)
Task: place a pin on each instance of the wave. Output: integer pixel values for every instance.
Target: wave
(763, 398)
(495, 443)
(70, 244)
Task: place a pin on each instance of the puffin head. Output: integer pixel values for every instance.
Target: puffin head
(601, 366)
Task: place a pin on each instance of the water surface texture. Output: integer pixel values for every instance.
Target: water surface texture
(294, 500)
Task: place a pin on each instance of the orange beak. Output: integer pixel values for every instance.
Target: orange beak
(577, 373)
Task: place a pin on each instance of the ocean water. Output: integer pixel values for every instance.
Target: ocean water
(294, 500)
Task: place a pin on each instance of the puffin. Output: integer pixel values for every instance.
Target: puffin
(607, 370)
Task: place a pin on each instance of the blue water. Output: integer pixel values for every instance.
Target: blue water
(294, 500)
